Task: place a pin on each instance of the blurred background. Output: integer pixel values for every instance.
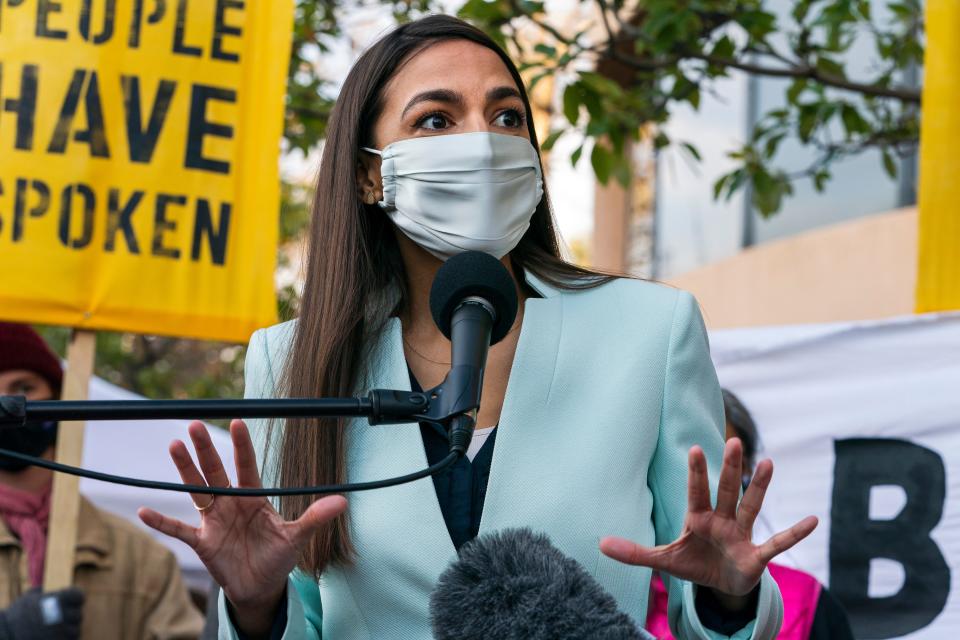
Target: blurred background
(684, 141)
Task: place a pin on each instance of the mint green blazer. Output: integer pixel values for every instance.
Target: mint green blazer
(609, 389)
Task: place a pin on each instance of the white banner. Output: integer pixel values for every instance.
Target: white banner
(862, 421)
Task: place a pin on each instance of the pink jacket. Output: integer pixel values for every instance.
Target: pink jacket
(800, 591)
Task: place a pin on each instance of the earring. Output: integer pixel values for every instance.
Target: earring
(369, 198)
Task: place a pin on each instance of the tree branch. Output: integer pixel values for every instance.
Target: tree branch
(812, 73)
(559, 37)
(793, 70)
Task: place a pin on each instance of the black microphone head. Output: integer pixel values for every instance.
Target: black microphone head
(474, 274)
(515, 585)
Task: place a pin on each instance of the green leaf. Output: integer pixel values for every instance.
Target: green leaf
(718, 186)
(759, 24)
(551, 140)
(575, 156)
(737, 179)
(903, 11)
(800, 10)
(658, 20)
(546, 50)
(623, 171)
(602, 161)
(768, 192)
(661, 140)
(773, 142)
(730, 182)
(796, 88)
(724, 48)
(572, 97)
(591, 100)
(531, 7)
(830, 67)
(853, 122)
(889, 164)
(616, 137)
(601, 84)
(692, 150)
(483, 11)
(686, 89)
(820, 180)
(808, 121)
(537, 78)
(694, 99)
(597, 128)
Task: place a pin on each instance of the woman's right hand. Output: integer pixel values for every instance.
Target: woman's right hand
(247, 547)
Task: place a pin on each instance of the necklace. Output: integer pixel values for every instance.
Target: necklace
(412, 348)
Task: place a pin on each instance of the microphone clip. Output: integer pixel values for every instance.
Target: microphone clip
(453, 403)
(458, 395)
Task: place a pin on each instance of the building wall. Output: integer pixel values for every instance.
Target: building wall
(862, 269)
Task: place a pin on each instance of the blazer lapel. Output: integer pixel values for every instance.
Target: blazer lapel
(523, 430)
(410, 513)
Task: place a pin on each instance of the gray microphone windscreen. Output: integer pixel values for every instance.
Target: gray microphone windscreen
(515, 585)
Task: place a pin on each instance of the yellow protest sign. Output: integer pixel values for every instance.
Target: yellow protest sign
(139, 143)
(938, 283)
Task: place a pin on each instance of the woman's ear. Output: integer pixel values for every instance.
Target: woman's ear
(369, 182)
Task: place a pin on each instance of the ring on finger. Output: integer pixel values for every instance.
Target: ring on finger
(206, 506)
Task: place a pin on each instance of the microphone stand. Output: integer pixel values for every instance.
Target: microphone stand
(381, 406)
(453, 403)
(16, 410)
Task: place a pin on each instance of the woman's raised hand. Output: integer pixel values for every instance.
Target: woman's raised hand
(247, 547)
(715, 548)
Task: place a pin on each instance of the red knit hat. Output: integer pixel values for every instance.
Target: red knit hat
(22, 348)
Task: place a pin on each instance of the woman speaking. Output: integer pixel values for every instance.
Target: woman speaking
(602, 420)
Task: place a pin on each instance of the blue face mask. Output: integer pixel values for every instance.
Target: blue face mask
(31, 439)
(461, 192)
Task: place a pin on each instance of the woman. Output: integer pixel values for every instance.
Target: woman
(603, 394)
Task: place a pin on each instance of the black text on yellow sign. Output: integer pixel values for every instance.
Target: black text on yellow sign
(141, 137)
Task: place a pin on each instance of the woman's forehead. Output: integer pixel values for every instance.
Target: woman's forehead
(459, 66)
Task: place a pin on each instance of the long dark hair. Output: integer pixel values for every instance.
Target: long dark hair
(354, 259)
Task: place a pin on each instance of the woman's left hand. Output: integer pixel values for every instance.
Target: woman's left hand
(715, 548)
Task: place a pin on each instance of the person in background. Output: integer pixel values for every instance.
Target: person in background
(810, 612)
(127, 585)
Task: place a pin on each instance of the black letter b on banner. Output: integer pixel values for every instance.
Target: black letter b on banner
(863, 463)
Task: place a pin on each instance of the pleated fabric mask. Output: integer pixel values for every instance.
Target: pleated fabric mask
(461, 192)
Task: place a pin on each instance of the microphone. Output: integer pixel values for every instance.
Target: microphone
(515, 585)
(473, 300)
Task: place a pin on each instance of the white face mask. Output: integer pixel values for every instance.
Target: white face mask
(461, 192)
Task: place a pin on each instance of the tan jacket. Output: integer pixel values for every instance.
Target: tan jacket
(131, 583)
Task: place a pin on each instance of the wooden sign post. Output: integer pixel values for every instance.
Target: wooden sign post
(65, 500)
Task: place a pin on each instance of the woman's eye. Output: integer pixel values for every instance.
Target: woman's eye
(511, 119)
(433, 121)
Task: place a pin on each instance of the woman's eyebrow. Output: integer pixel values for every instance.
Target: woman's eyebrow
(500, 93)
(433, 95)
